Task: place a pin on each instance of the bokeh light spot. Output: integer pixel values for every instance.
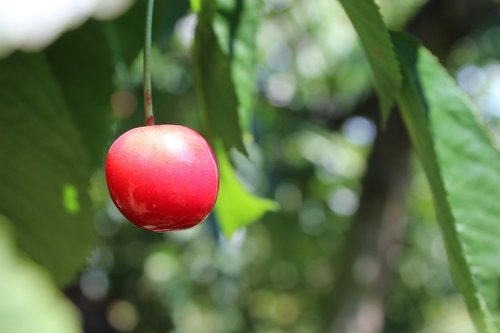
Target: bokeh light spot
(94, 284)
(359, 131)
(343, 201)
(123, 316)
(160, 267)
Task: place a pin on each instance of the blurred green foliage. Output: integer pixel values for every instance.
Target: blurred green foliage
(30, 300)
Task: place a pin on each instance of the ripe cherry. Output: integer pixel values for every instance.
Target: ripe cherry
(162, 177)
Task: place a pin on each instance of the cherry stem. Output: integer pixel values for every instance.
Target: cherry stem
(148, 98)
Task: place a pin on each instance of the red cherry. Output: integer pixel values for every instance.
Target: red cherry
(162, 177)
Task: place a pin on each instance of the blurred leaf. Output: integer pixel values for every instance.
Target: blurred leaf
(28, 300)
(44, 169)
(236, 29)
(127, 31)
(236, 207)
(367, 20)
(81, 62)
(214, 83)
(462, 168)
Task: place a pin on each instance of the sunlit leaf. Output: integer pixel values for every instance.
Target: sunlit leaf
(29, 302)
(236, 207)
(367, 20)
(45, 170)
(462, 168)
(236, 27)
(195, 5)
(225, 67)
(214, 83)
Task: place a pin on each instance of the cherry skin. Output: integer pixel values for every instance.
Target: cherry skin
(162, 177)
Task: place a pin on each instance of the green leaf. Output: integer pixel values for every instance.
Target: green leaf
(224, 57)
(366, 18)
(236, 207)
(236, 27)
(214, 83)
(462, 168)
(29, 302)
(45, 170)
(81, 62)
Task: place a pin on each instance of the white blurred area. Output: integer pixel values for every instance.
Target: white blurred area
(482, 84)
(31, 25)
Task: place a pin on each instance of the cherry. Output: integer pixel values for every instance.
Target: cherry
(162, 177)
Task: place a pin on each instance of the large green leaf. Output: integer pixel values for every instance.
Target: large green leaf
(81, 62)
(236, 207)
(366, 18)
(214, 83)
(236, 27)
(29, 302)
(44, 171)
(463, 168)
